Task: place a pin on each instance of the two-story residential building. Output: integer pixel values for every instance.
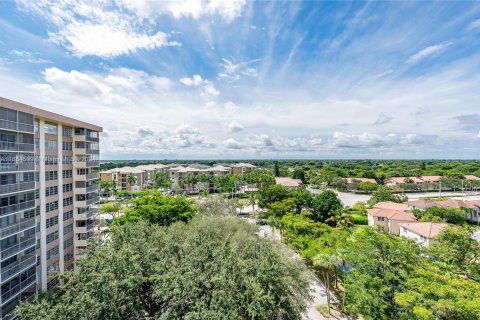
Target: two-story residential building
(422, 232)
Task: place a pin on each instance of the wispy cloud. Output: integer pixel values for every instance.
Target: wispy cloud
(429, 51)
(474, 25)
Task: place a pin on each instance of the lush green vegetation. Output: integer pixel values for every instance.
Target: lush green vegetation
(161, 262)
(169, 258)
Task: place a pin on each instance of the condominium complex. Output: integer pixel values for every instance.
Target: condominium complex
(144, 174)
(49, 173)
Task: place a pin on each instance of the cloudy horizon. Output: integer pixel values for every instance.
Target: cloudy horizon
(253, 80)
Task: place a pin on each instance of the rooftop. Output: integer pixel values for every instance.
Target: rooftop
(426, 229)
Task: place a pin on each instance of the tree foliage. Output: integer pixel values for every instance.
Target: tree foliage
(154, 207)
(211, 268)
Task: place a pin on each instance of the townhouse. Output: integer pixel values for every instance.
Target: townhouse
(422, 233)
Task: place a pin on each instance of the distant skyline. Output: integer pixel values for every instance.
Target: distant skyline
(246, 80)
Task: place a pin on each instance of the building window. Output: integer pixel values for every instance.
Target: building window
(51, 206)
(68, 229)
(67, 243)
(67, 215)
(67, 174)
(67, 187)
(67, 146)
(51, 191)
(51, 175)
(53, 221)
(52, 252)
(52, 237)
(67, 132)
(51, 160)
(67, 201)
(51, 144)
(50, 128)
(381, 219)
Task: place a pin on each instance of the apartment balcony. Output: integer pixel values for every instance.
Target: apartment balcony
(93, 176)
(15, 268)
(23, 166)
(80, 136)
(93, 163)
(17, 187)
(17, 207)
(79, 150)
(16, 248)
(16, 126)
(19, 287)
(93, 200)
(14, 146)
(92, 151)
(22, 225)
(87, 214)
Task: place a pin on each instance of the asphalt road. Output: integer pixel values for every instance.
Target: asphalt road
(349, 199)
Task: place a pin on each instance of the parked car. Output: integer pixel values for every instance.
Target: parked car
(260, 222)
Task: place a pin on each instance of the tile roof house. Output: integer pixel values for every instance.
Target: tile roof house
(352, 180)
(389, 219)
(422, 232)
(288, 182)
(392, 205)
(396, 181)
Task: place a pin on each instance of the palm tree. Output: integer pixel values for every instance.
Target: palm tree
(325, 262)
(341, 254)
(132, 180)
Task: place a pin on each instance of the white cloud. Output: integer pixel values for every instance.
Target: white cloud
(226, 9)
(96, 28)
(382, 119)
(85, 39)
(194, 81)
(234, 127)
(428, 51)
(474, 25)
(234, 72)
(232, 144)
(29, 57)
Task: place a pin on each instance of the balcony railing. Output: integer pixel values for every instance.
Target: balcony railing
(19, 287)
(92, 200)
(13, 125)
(93, 163)
(7, 252)
(14, 146)
(17, 267)
(17, 227)
(92, 176)
(23, 166)
(93, 151)
(92, 188)
(16, 187)
(17, 207)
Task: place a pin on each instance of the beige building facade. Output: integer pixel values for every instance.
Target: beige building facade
(49, 173)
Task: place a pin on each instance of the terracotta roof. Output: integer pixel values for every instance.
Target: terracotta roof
(449, 203)
(471, 177)
(392, 214)
(431, 178)
(350, 180)
(426, 229)
(392, 205)
(421, 204)
(288, 182)
(401, 180)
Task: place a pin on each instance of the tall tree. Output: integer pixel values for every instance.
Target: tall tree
(132, 181)
(276, 169)
(324, 205)
(325, 262)
(180, 272)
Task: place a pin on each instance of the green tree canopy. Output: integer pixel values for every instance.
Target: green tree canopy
(211, 268)
(324, 205)
(154, 207)
(382, 195)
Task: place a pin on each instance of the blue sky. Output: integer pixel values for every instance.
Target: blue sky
(238, 79)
